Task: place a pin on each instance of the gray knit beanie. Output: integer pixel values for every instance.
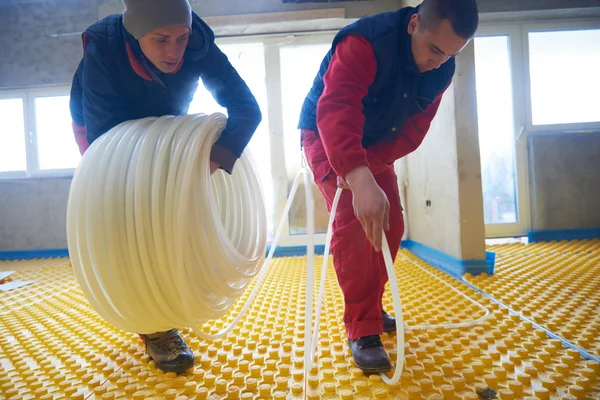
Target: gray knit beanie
(143, 16)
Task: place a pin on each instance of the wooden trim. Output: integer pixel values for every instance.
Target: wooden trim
(265, 18)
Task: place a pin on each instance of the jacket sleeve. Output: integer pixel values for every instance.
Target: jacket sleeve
(78, 125)
(75, 97)
(382, 155)
(231, 92)
(103, 106)
(340, 118)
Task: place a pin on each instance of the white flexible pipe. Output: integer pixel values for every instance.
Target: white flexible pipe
(310, 269)
(155, 242)
(310, 341)
(400, 328)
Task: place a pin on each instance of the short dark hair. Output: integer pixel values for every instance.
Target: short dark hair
(462, 14)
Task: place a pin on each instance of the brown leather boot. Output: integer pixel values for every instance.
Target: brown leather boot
(389, 322)
(369, 354)
(169, 351)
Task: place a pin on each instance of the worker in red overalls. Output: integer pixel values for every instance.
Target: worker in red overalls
(372, 102)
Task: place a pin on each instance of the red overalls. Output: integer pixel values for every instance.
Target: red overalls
(337, 150)
(360, 269)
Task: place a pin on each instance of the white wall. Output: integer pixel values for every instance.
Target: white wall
(446, 171)
(33, 214)
(432, 176)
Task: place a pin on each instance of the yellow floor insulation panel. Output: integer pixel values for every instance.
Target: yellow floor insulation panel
(54, 346)
(557, 285)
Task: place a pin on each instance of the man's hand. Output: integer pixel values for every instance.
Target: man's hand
(341, 183)
(213, 167)
(371, 205)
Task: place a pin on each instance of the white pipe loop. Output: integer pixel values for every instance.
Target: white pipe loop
(397, 305)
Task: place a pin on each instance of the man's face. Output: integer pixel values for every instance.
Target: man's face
(164, 47)
(432, 48)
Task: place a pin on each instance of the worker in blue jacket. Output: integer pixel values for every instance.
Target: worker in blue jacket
(148, 62)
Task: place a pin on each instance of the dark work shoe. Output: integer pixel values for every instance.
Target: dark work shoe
(369, 354)
(169, 351)
(389, 322)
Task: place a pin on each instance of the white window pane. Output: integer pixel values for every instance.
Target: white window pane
(56, 144)
(12, 136)
(565, 78)
(299, 66)
(249, 61)
(496, 129)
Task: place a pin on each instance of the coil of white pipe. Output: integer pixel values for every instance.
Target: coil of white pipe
(154, 240)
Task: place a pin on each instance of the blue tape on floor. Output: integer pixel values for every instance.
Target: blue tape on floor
(563, 234)
(451, 265)
(280, 251)
(33, 254)
(291, 251)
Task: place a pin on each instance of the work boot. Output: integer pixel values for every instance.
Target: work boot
(169, 351)
(369, 354)
(389, 322)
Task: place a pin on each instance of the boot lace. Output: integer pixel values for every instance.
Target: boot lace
(369, 342)
(171, 340)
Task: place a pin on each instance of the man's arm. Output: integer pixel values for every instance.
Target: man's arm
(231, 92)
(340, 118)
(76, 109)
(340, 121)
(103, 105)
(383, 154)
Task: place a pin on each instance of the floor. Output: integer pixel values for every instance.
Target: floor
(54, 346)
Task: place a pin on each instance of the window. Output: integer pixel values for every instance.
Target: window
(496, 128)
(36, 137)
(538, 77)
(564, 78)
(299, 66)
(55, 142)
(12, 136)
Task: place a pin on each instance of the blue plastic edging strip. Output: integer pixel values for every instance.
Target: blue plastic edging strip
(280, 251)
(490, 259)
(550, 334)
(451, 265)
(291, 251)
(563, 234)
(33, 254)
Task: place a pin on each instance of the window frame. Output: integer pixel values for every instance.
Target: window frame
(36, 172)
(518, 34)
(520, 130)
(10, 95)
(551, 26)
(32, 169)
